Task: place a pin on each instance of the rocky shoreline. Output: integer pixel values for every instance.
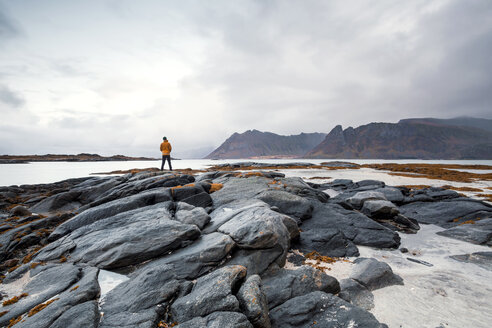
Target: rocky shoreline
(224, 248)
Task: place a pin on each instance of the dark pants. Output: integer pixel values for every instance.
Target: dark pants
(168, 157)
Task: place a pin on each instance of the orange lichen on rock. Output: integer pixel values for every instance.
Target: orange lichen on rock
(163, 324)
(40, 307)
(3, 313)
(13, 321)
(29, 256)
(13, 268)
(14, 299)
(63, 259)
(215, 187)
(35, 264)
(74, 289)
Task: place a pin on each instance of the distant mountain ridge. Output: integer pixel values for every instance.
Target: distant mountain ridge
(257, 144)
(424, 138)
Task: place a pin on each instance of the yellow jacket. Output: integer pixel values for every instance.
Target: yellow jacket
(166, 148)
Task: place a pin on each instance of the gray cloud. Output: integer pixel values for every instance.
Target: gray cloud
(280, 66)
(10, 98)
(8, 28)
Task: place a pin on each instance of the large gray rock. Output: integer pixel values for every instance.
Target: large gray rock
(361, 197)
(124, 239)
(259, 227)
(218, 319)
(198, 258)
(110, 209)
(374, 274)
(379, 209)
(480, 232)
(286, 284)
(318, 309)
(287, 203)
(328, 242)
(482, 259)
(138, 297)
(357, 294)
(443, 213)
(357, 227)
(253, 302)
(258, 261)
(186, 213)
(211, 293)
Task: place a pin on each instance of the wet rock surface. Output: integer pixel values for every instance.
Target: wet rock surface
(211, 250)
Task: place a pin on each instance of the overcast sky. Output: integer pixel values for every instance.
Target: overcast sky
(113, 77)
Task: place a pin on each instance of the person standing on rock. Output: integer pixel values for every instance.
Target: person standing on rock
(166, 153)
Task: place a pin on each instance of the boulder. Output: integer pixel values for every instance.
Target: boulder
(359, 198)
(258, 261)
(374, 274)
(287, 203)
(258, 227)
(379, 209)
(211, 293)
(356, 227)
(286, 284)
(253, 302)
(20, 211)
(189, 214)
(319, 309)
(356, 294)
(328, 242)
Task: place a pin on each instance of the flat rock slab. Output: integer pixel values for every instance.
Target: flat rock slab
(286, 284)
(318, 309)
(374, 274)
(84, 290)
(287, 203)
(480, 232)
(110, 209)
(443, 213)
(482, 259)
(125, 239)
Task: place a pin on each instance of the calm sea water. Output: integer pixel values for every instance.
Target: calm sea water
(46, 172)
